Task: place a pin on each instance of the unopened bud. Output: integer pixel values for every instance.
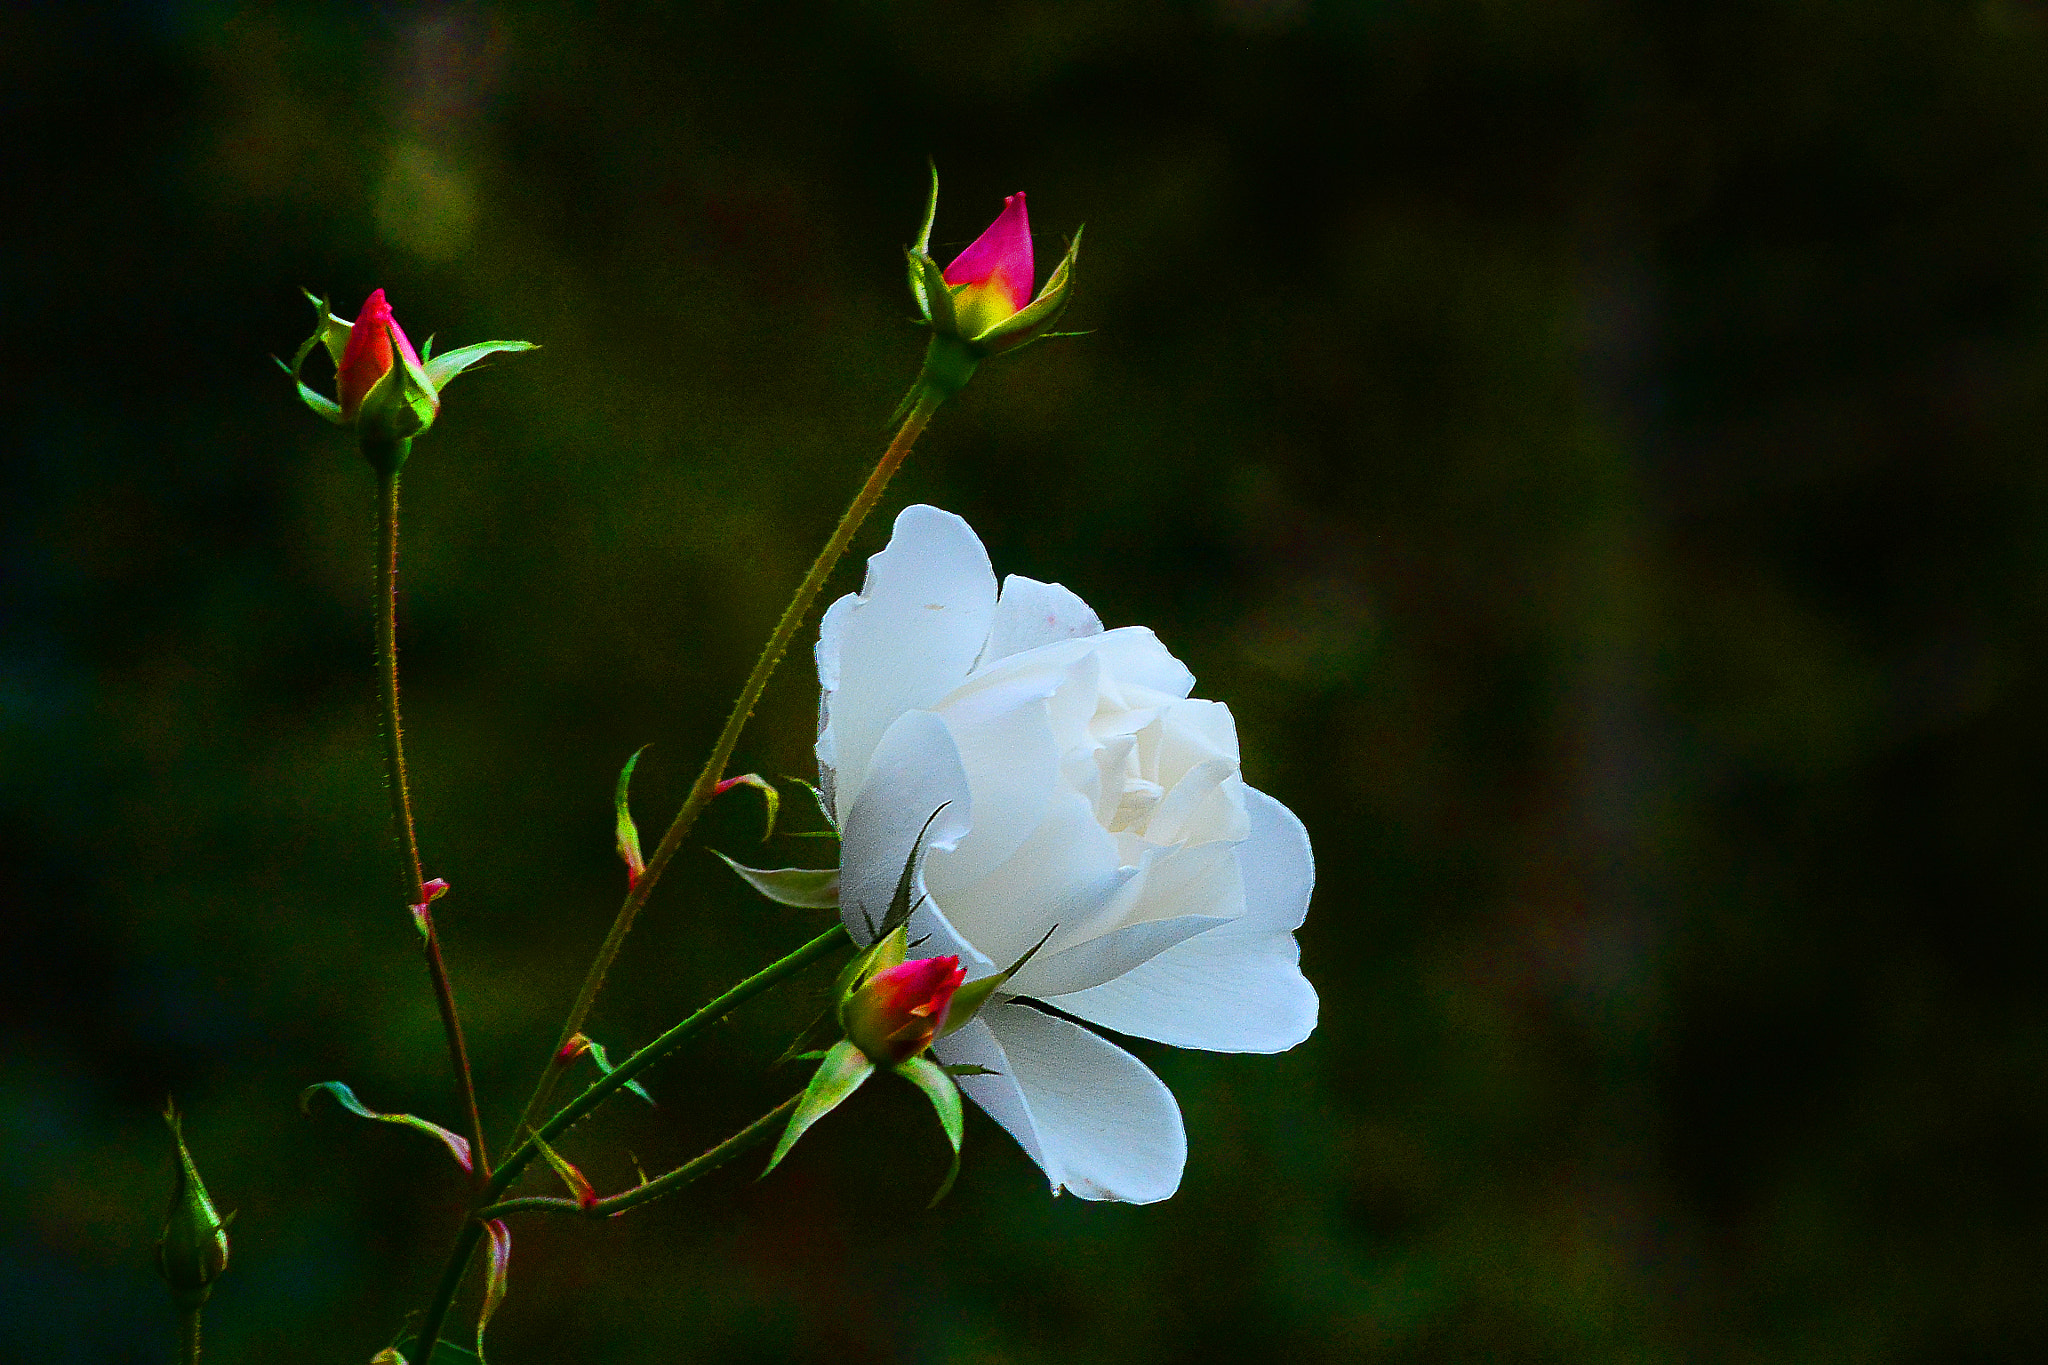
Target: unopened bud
(194, 1248)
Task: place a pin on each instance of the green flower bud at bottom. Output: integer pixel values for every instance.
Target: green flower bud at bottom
(194, 1248)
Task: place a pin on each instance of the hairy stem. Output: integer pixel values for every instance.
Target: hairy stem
(401, 809)
(721, 752)
(188, 1337)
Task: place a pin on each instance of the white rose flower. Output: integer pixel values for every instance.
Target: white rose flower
(1080, 791)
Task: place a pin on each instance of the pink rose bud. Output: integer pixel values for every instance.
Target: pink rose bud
(368, 357)
(991, 280)
(897, 1012)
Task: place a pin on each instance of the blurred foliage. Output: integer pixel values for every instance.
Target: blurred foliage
(1595, 447)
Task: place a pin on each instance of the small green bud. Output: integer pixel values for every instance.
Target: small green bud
(194, 1249)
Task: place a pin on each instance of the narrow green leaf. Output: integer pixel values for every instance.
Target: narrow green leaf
(938, 1087)
(578, 1183)
(441, 369)
(768, 794)
(831, 825)
(804, 887)
(346, 1098)
(495, 1273)
(604, 1064)
(628, 834)
(837, 1077)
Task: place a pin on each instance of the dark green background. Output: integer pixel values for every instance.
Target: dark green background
(1597, 449)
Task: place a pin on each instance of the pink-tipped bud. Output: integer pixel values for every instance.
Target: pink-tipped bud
(369, 356)
(897, 1012)
(991, 280)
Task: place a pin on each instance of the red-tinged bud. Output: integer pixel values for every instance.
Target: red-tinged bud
(385, 391)
(369, 355)
(982, 305)
(898, 1011)
(991, 280)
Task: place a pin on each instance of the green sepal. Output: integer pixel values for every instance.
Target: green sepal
(346, 1098)
(334, 332)
(968, 1000)
(497, 1267)
(437, 372)
(922, 252)
(837, 1077)
(628, 834)
(320, 405)
(900, 906)
(804, 887)
(1031, 322)
(604, 1064)
(938, 1087)
(934, 295)
(968, 1069)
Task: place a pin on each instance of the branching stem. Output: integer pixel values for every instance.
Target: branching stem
(708, 778)
(401, 809)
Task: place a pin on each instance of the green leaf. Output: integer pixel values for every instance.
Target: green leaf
(495, 1272)
(768, 794)
(804, 887)
(837, 1077)
(938, 1087)
(578, 1183)
(628, 835)
(604, 1064)
(441, 369)
(346, 1098)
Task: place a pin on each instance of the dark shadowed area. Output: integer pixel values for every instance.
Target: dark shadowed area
(1599, 450)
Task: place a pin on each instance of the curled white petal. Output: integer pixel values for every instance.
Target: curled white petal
(1094, 1118)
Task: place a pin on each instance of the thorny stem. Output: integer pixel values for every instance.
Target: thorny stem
(721, 752)
(401, 808)
(523, 1155)
(647, 1190)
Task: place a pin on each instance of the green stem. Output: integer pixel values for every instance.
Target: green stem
(603, 1087)
(401, 806)
(595, 1094)
(751, 1135)
(188, 1337)
(429, 1334)
(708, 778)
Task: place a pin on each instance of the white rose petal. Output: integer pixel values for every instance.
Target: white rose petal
(1085, 801)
